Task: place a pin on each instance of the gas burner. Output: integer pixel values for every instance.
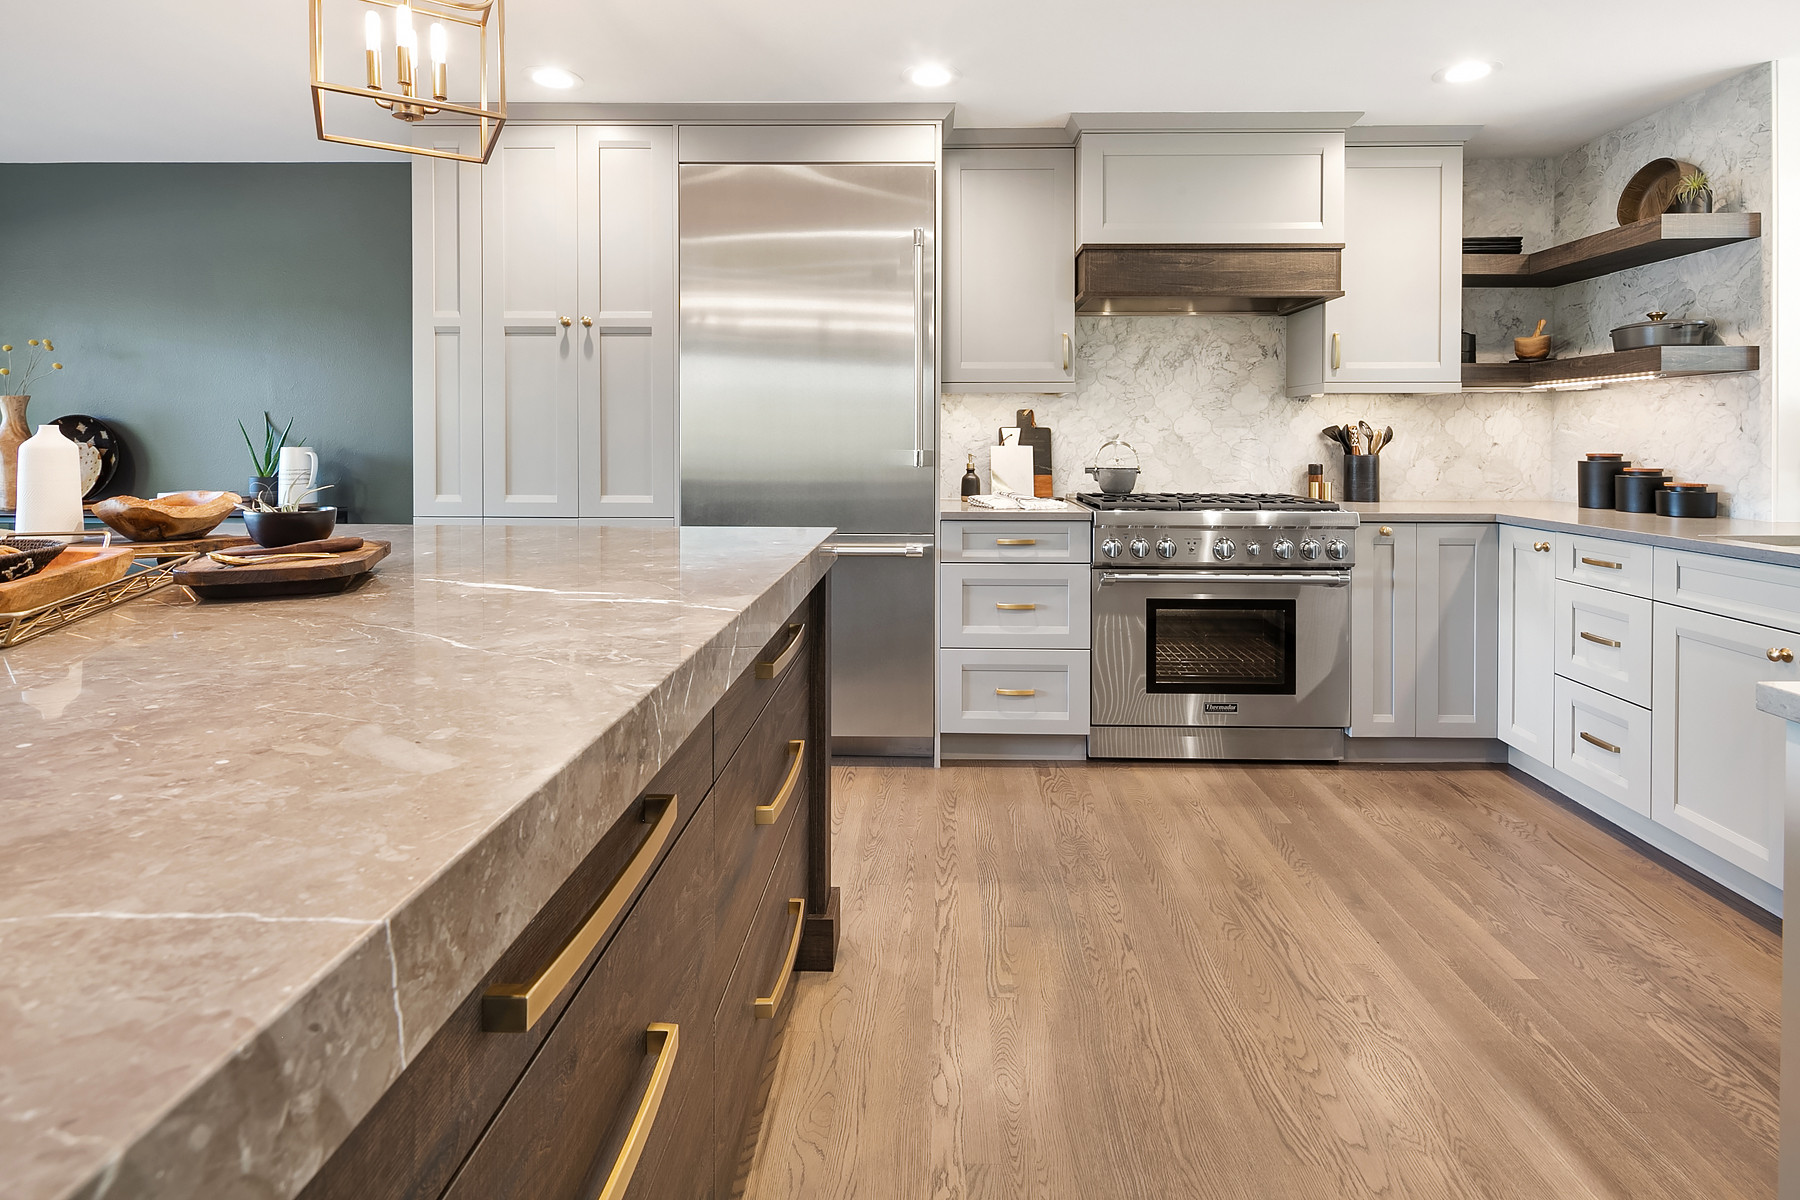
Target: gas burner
(1203, 502)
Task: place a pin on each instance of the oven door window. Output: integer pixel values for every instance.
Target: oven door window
(1222, 647)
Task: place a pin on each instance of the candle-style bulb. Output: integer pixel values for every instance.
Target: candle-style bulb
(403, 27)
(440, 45)
(372, 31)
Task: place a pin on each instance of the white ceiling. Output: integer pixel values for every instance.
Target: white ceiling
(126, 80)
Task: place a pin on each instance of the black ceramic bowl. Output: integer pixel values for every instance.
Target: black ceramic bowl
(272, 529)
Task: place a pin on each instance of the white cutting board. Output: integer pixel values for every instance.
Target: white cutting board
(1010, 468)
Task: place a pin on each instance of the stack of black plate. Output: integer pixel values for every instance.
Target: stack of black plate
(1493, 245)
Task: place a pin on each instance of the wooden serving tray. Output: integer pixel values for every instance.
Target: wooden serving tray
(216, 581)
(74, 570)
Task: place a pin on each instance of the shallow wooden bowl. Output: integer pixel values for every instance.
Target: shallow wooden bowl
(181, 515)
(1531, 347)
(1652, 189)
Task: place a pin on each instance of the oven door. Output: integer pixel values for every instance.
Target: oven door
(1193, 648)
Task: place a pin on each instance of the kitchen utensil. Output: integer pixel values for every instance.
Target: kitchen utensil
(49, 483)
(1356, 442)
(1687, 500)
(1362, 478)
(296, 473)
(336, 545)
(1387, 435)
(1369, 444)
(181, 547)
(1594, 478)
(286, 528)
(181, 515)
(1650, 192)
(1335, 433)
(1010, 470)
(1533, 346)
(1660, 332)
(99, 446)
(1115, 476)
(76, 569)
(20, 557)
(211, 580)
(1635, 490)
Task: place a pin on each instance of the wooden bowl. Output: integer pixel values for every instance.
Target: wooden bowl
(181, 515)
(1652, 189)
(1532, 347)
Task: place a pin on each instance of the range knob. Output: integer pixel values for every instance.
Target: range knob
(1252, 548)
(1140, 548)
(1110, 547)
(1309, 549)
(1165, 548)
(1283, 548)
(1336, 550)
(1224, 548)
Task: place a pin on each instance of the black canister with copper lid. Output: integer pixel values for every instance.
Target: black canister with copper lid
(1594, 479)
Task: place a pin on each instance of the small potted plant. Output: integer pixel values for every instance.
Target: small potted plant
(271, 525)
(1693, 194)
(267, 460)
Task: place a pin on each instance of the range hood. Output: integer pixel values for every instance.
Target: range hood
(1261, 278)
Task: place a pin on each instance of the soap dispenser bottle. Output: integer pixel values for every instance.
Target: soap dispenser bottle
(971, 482)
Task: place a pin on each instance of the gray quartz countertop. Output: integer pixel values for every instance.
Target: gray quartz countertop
(1779, 699)
(255, 853)
(954, 508)
(1722, 535)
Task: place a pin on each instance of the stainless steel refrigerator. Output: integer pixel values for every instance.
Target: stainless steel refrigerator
(807, 398)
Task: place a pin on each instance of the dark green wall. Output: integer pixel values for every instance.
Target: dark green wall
(183, 297)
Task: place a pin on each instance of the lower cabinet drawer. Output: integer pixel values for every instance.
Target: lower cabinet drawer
(1014, 606)
(1603, 639)
(1013, 691)
(623, 1085)
(755, 1004)
(1605, 743)
(756, 802)
(989, 540)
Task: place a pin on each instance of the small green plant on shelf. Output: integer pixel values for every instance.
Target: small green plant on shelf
(16, 380)
(1693, 186)
(268, 459)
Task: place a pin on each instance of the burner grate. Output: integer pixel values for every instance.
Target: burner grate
(1202, 501)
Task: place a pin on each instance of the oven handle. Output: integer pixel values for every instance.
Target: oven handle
(1320, 578)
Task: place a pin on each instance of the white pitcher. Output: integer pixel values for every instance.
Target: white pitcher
(295, 476)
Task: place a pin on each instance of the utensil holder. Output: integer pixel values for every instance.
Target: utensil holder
(1362, 478)
(1595, 478)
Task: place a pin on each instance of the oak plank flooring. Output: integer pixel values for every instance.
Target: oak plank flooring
(1220, 980)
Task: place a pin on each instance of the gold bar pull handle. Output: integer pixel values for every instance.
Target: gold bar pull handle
(1015, 541)
(1068, 344)
(516, 1007)
(1600, 641)
(1015, 691)
(1337, 352)
(769, 670)
(1606, 746)
(768, 814)
(766, 1005)
(1601, 562)
(1016, 607)
(663, 1042)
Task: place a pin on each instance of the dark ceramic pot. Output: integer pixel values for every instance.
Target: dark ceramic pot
(1701, 203)
(272, 529)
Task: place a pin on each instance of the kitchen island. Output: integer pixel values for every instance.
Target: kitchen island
(257, 854)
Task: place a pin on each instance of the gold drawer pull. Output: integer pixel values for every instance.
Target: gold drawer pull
(1016, 607)
(516, 1007)
(766, 1005)
(664, 1041)
(1606, 746)
(1601, 562)
(769, 670)
(1015, 691)
(1541, 547)
(768, 814)
(1015, 541)
(1600, 641)
(1781, 654)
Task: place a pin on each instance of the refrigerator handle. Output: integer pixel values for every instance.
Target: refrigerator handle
(874, 550)
(918, 347)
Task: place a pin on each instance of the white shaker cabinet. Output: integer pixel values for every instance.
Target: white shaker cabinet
(1397, 326)
(1526, 684)
(1009, 270)
(447, 331)
(1424, 631)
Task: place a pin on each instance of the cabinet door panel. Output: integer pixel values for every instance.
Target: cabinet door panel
(1383, 624)
(1457, 630)
(528, 219)
(626, 278)
(447, 330)
(1009, 266)
(1718, 768)
(1527, 681)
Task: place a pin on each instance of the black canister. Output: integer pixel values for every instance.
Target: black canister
(1362, 478)
(1687, 500)
(1635, 489)
(1595, 475)
(1468, 346)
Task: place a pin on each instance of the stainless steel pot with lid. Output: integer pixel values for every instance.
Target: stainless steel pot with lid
(1115, 476)
(1660, 332)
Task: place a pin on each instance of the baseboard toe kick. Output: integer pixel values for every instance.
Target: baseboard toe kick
(1424, 750)
(1013, 747)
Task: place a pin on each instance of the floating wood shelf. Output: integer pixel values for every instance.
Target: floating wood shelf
(1656, 239)
(1652, 362)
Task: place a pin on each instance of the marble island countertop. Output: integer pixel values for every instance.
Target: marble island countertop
(255, 853)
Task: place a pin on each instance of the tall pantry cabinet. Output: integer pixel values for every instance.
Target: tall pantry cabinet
(544, 362)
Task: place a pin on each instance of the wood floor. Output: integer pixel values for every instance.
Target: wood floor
(1261, 982)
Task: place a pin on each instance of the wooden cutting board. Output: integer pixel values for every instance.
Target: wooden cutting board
(216, 581)
(74, 570)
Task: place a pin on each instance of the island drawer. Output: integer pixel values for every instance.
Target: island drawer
(623, 1084)
(788, 653)
(756, 801)
(1016, 541)
(1604, 563)
(1603, 640)
(1012, 605)
(754, 1006)
(1605, 743)
(411, 1143)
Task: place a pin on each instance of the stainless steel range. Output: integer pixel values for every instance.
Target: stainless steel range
(1221, 626)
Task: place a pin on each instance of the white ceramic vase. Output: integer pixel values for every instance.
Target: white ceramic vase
(49, 483)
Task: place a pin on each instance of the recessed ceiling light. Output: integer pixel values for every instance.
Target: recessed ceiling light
(554, 77)
(1466, 72)
(930, 75)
